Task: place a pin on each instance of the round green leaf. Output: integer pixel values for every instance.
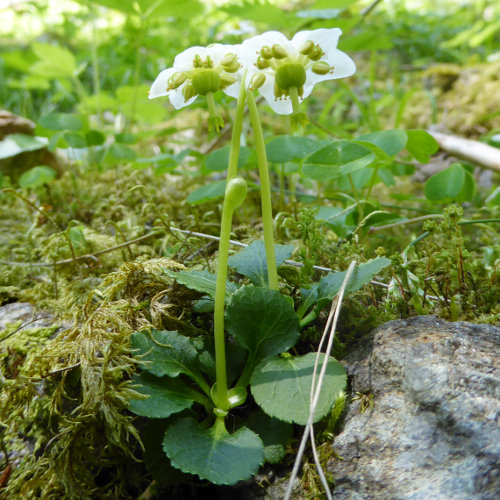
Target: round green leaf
(95, 138)
(37, 176)
(262, 321)
(208, 192)
(218, 160)
(336, 159)
(75, 139)
(165, 396)
(282, 387)
(390, 141)
(290, 148)
(252, 261)
(421, 145)
(122, 152)
(213, 453)
(165, 353)
(446, 184)
(61, 121)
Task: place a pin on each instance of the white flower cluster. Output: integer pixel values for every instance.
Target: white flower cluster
(283, 70)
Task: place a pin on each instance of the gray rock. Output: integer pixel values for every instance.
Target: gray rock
(24, 311)
(433, 432)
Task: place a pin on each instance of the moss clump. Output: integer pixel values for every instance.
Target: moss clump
(67, 404)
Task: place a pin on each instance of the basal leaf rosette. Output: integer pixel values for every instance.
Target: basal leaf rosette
(200, 71)
(285, 71)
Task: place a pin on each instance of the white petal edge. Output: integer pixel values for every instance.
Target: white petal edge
(326, 38)
(342, 63)
(159, 86)
(251, 46)
(184, 60)
(177, 99)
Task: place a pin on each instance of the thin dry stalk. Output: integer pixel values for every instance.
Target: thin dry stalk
(329, 331)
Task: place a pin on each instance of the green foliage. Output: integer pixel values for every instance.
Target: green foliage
(282, 387)
(262, 321)
(163, 397)
(37, 176)
(251, 261)
(455, 183)
(213, 453)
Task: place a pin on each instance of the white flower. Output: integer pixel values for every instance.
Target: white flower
(287, 70)
(199, 71)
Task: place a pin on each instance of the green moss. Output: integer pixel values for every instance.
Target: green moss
(69, 396)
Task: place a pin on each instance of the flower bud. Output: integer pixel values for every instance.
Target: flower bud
(236, 192)
(257, 81)
(321, 68)
(307, 48)
(176, 81)
(188, 92)
(279, 52)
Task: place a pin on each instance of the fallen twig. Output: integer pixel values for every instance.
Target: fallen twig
(466, 149)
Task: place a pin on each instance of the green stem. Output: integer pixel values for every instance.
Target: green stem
(214, 118)
(234, 151)
(265, 193)
(244, 379)
(236, 191)
(355, 194)
(220, 294)
(294, 96)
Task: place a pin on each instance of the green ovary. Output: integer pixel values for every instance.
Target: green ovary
(205, 81)
(290, 75)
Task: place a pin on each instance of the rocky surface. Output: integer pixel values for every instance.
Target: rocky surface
(433, 430)
(29, 316)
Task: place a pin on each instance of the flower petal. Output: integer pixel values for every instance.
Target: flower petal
(280, 106)
(233, 90)
(343, 65)
(326, 38)
(159, 87)
(177, 98)
(184, 60)
(251, 47)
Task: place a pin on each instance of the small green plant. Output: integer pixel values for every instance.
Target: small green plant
(180, 373)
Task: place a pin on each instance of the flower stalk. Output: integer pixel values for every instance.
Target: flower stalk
(265, 192)
(236, 191)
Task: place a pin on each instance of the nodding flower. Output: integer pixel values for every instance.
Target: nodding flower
(285, 71)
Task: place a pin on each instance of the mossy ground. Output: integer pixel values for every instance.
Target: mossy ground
(64, 397)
